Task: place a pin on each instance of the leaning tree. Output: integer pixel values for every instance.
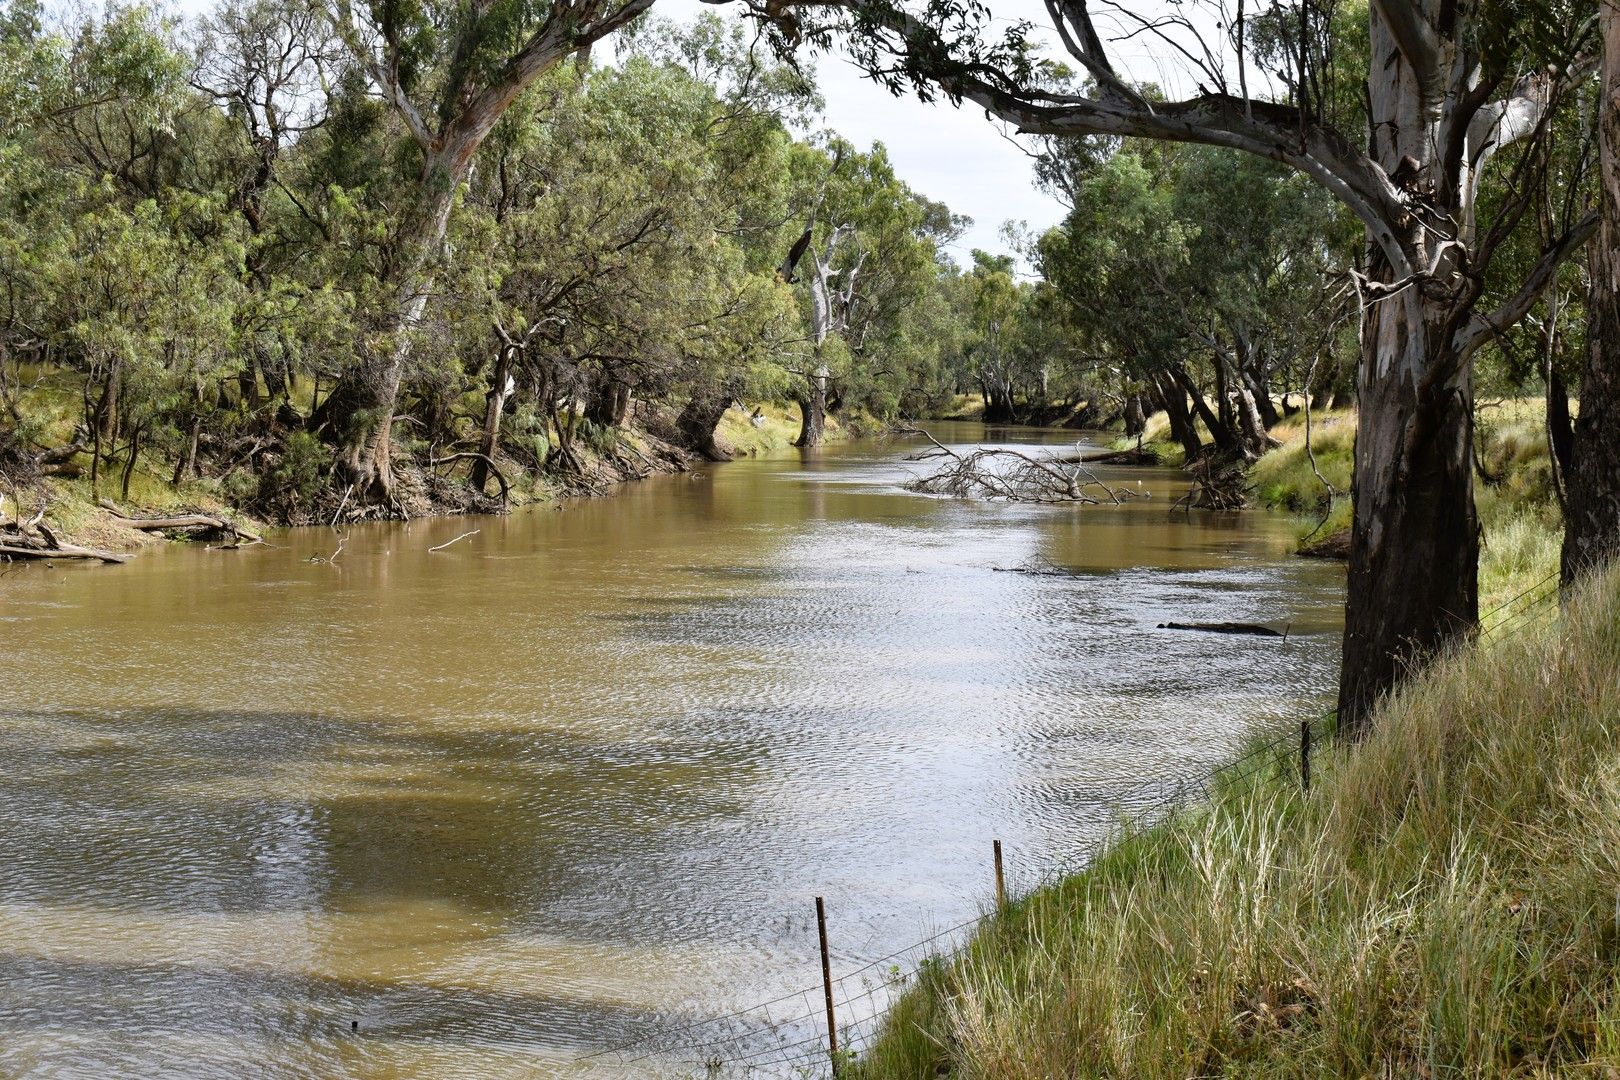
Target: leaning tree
(449, 70)
(1450, 85)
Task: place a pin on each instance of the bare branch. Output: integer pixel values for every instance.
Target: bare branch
(1004, 473)
(1482, 327)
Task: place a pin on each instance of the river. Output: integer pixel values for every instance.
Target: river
(485, 811)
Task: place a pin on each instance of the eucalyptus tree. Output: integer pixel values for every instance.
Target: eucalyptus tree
(1448, 88)
(268, 65)
(609, 275)
(1268, 252)
(449, 71)
(1121, 263)
(996, 304)
(867, 254)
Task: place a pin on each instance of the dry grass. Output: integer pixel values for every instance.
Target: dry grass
(1444, 903)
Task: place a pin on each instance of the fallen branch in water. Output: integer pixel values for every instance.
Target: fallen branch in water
(331, 560)
(1036, 565)
(447, 543)
(1113, 457)
(1005, 473)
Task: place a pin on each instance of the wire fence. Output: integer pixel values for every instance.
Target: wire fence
(787, 1036)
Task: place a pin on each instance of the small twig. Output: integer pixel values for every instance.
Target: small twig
(447, 543)
(331, 560)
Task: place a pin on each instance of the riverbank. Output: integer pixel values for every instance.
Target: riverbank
(252, 480)
(1442, 900)
(1520, 520)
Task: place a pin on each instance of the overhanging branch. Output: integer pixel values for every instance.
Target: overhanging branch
(1483, 327)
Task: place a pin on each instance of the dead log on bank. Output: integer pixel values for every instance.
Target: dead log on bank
(33, 539)
(181, 522)
(11, 550)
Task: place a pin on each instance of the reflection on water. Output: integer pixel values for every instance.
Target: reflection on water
(581, 774)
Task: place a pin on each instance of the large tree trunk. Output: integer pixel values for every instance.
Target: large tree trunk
(501, 385)
(1251, 428)
(1414, 544)
(1219, 432)
(1173, 399)
(608, 402)
(701, 416)
(1413, 585)
(998, 399)
(813, 410)
(1592, 513)
(360, 410)
(1135, 417)
(1254, 376)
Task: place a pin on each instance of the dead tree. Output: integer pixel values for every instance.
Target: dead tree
(1012, 475)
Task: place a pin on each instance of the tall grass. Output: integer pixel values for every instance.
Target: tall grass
(1443, 903)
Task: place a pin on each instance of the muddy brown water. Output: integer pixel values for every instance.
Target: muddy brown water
(579, 777)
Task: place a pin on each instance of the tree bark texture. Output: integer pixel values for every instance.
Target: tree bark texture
(813, 410)
(1592, 511)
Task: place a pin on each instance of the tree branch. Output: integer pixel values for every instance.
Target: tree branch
(1418, 43)
(1483, 327)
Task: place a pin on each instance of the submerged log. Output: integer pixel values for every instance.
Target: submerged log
(1132, 456)
(1254, 629)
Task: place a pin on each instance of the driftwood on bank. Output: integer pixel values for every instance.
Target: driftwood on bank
(32, 538)
(9, 549)
(181, 522)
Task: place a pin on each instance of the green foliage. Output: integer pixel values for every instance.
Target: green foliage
(235, 256)
(300, 472)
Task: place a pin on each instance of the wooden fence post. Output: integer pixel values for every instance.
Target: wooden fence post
(826, 984)
(1001, 881)
(1305, 756)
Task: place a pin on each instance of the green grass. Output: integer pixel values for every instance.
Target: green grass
(1443, 903)
(1283, 478)
(779, 428)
